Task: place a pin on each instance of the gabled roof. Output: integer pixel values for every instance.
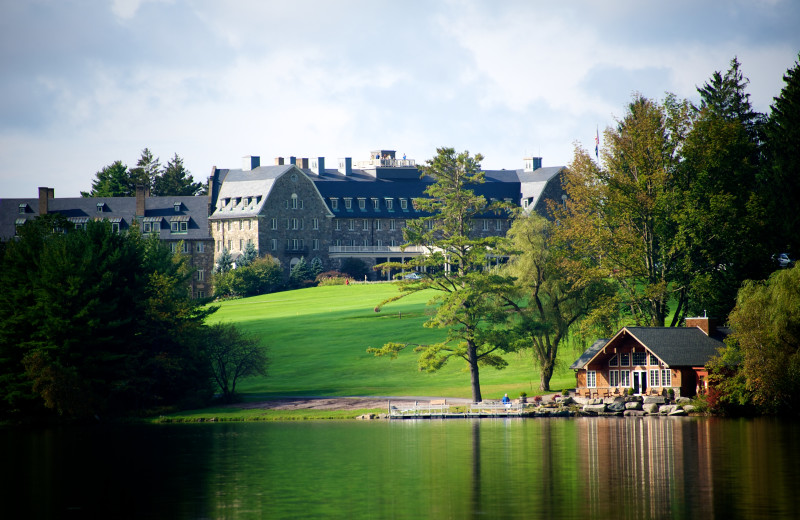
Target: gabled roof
(246, 191)
(675, 346)
(590, 353)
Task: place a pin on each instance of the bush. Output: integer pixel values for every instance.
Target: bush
(263, 275)
(331, 278)
(355, 268)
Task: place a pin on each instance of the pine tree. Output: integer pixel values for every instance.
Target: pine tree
(224, 262)
(175, 180)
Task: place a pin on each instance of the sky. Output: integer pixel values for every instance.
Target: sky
(86, 83)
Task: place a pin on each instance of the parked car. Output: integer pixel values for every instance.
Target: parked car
(783, 260)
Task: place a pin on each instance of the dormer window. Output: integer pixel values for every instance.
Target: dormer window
(376, 204)
(362, 203)
(176, 206)
(389, 204)
(23, 208)
(179, 224)
(404, 204)
(334, 203)
(101, 207)
(348, 203)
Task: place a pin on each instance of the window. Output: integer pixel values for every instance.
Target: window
(184, 227)
(392, 225)
(288, 223)
(115, 227)
(666, 377)
(639, 359)
(613, 378)
(338, 225)
(351, 224)
(348, 203)
(201, 294)
(654, 378)
(294, 200)
(334, 203)
(100, 206)
(389, 204)
(219, 225)
(624, 378)
(230, 245)
(393, 243)
(614, 361)
(403, 204)
(485, 225)
(591, 379)
(377, 224)
(274, 223)
(379, 243)
(249, 224)
(653, 360)
(201, 247)
(429, 224)
(365, 242)
(315, 223)
(362, 203)
(295, 224)
(241, 244)
(338, 242)
(201, 275)
(229, 225)
(376, 203)
(172, 247)
(365, 225)
(187, 247)
(176, 206)
(23, 208)
(625, 360)
(315, 244)
(173, 227)
(498, 225)
(219, 247)
(241, 225)
(286, 204)
(147, 227)
(274, 244)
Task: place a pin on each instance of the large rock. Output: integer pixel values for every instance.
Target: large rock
(683, 400)
(666, 409)
(618, 405)
(594, 408)
(689, 408)
(651, 408)
(633, 405)
(677, 412)
(655, 399)
(564, 401)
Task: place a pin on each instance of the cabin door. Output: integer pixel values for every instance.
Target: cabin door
(639, 381)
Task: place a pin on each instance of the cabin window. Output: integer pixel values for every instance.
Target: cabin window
(654, 378)
(591, 379)
(639, 359)
(614, 361)
(625, 360)
(624, 378)
(613, 377)
(653, 360)
(666, 377)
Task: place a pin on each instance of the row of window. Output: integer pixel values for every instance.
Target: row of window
(240, 223)
(658, 378)
(242, 244)
(249, 202)
(639, 359)
(186, 247)
(375, 201)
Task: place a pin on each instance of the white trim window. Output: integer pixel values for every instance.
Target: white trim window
(591, 379)
(348, 203)
(338, 225)
(334, 203)
(625, 378)
(654, 377)
(614, 361)
(377, 224)
(625, 359)
(315, 223)
(613, 377)
(274, 244)
(666, 377)
(274, 223)
(639, 359)
(365, 224)
(315, 244)
(351, 225)
(485, 224)
(392, 225)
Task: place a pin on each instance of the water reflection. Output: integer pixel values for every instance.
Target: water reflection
(500, 468)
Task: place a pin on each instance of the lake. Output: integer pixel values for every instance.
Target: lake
(582, 468)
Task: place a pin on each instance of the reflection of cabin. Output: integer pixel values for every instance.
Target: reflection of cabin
(650, 360)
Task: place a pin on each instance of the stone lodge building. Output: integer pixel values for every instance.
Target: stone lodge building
(299, 209)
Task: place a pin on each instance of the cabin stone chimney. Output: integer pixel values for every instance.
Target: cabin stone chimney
(707, 325)
(45, 194)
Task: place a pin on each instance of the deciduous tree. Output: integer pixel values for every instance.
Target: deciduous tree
(233, 356)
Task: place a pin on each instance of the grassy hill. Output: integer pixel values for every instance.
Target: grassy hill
(317, 340)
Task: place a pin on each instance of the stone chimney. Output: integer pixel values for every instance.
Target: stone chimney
(279, 161)
(142, 192)
(532, 163)
(250, 162)
(45, 194)
(302, 163)
(707, 325)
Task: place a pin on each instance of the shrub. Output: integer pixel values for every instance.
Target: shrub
(630, 391)
(355, 268)
(565, 392)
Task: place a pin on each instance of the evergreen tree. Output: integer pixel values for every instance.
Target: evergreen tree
(300, 273)
(468, 301)
(113, 180)
(316, 267)
(782, 169)
(248, 257)
(224, 262)
(176, 180)
(146, 170)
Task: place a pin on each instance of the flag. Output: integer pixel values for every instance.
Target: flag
(597, 143)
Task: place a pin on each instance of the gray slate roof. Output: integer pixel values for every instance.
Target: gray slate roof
(589, 354)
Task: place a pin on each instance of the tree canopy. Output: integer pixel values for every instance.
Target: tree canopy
(116, 180)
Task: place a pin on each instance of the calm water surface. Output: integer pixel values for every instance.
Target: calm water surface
(515, 468)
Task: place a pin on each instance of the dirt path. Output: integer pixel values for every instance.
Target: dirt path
(341, 403)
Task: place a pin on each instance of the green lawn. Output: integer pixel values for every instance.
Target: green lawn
(317, 340)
